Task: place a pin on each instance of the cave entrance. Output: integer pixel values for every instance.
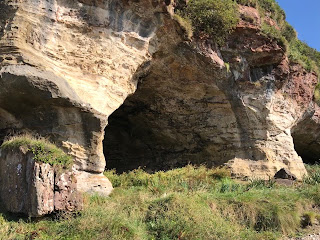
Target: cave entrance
(128, 138)
(177, 116)
(308, 151)
(305, 136)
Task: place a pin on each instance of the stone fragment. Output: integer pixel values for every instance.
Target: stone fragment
(285, 174)
(93, 183)
(66, 196)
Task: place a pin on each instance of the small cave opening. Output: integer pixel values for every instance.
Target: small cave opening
(306, 137)
(308, 151)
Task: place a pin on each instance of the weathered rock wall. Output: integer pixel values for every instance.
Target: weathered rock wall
(191, 108)
(86, 51)
(66, 66)
(35, 189)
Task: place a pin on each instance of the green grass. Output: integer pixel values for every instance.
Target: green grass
(214, 19)
(42, 149)
(186, 203)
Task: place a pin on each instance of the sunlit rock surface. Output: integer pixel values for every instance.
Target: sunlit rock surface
(71, 70)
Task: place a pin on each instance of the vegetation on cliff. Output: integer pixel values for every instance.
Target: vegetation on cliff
(211, 19)
(216, 19)
(42, 149)
(185, 203)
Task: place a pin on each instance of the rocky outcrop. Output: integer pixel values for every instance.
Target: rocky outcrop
(69, 67)
(35, 189)
(201, 104)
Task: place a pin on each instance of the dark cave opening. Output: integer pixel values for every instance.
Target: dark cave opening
(307, 152)
(125, 143)
(143, 134)
(306, 146)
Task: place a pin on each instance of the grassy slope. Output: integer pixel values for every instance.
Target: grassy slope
(186, 203)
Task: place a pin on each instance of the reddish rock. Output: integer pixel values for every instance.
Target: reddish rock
(66, 196)
(35, 189)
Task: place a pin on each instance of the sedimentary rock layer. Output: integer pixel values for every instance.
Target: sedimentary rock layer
(67, 67)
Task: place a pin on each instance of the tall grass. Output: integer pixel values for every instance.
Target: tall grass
(186, 203)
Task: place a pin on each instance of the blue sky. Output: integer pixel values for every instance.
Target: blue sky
(304, 16)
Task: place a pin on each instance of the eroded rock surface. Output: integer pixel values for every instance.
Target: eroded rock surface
(67, 66)
(190, 108)
(35, 189)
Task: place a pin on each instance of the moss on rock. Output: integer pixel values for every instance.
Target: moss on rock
(42, 149)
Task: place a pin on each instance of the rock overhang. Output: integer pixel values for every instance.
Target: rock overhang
(84, 58)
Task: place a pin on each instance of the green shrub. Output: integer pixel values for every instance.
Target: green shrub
(186, 24)
(317, 94)
(271, 9)
(42, 149)
(228, 186)
(288, 32)
(250, 3)
(273, 33)
(308, 57)
(261, 183)
(214, 19)
(313, 177)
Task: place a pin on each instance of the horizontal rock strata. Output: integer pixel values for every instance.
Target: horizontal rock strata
(70, 68)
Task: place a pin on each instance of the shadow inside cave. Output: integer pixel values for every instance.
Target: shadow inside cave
(306, 135)
(128, 140)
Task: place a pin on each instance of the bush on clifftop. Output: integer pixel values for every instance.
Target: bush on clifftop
(212, 18)
(216, 19)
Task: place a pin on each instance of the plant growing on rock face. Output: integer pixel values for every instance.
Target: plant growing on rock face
(249, 3)
(42, 149)
(317, 94)
(186, 24)
(214, 19)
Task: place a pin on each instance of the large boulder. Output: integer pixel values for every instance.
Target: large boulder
(34, 188)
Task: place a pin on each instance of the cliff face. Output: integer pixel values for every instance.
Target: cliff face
(68, 67)
(205, 105)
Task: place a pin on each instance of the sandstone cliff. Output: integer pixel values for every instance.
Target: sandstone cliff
(80, 71)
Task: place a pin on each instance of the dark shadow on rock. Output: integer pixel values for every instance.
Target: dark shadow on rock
(167, 123)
